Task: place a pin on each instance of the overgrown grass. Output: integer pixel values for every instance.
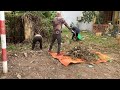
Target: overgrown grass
(105, 41)
(11, 48)
(18, 47)
(68, 43)
(90, 38)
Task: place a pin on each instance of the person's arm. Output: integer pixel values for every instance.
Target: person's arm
(67, 26)
(71, 29)
(64, 22)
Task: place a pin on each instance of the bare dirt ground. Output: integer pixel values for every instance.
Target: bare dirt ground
(37, 64)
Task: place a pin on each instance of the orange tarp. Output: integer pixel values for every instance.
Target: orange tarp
(66, 60)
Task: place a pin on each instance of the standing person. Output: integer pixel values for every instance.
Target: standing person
(58, 21)
(115, 30)
(76, 32)
(110, 28)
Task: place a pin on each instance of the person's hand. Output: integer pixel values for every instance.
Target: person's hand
(72, 31)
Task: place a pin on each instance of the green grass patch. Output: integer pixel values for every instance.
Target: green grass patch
(105, 41)
(11, 47)
(90, 38)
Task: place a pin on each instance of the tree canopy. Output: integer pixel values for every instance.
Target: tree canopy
(89, 16)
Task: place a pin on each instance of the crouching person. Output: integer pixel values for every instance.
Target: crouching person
(37, 38)
(75, 32)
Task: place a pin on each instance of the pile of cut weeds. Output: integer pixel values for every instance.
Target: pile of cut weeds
(82, 52)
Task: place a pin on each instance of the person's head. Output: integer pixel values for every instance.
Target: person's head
(71, 26)
(58, 14)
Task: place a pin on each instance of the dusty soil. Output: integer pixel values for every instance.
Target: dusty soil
(28, 64)
(39, 64)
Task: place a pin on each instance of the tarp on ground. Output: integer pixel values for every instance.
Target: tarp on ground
(66, 60)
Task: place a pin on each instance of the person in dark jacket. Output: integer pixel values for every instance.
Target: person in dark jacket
(115, 29)
(75, 33)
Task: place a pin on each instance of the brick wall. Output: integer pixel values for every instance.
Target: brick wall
(100, 28)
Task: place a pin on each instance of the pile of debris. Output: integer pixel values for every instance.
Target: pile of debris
(82, 52)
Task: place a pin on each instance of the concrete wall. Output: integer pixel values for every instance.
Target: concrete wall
(71, 16)
(85, 26)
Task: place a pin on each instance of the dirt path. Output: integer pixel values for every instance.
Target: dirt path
(40, 65)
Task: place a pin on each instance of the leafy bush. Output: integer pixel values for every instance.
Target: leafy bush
(41, 19)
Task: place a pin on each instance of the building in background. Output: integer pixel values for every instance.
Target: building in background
(109, 16)
(113, 16)
(71, 16)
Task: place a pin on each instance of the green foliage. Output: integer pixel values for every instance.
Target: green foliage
(11, 47)
(9, 22)
(13, 28)
(88, 16)
(99, 18)
(47, 17)
(65, 29)
(45, 20)
(104, 41)
(49, 14)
